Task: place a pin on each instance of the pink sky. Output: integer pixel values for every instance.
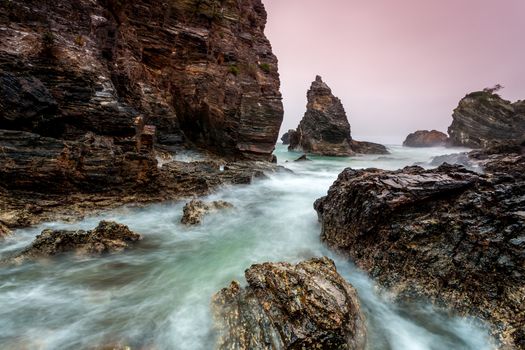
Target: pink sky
(397, 65)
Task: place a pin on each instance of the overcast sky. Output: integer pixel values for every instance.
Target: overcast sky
(397, 65)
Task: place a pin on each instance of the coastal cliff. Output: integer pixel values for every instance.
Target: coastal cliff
(202, 72)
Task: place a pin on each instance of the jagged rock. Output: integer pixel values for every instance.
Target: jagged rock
(199, 69)
(195, 210)
(483, 116)
(286, 137)
(324, 129)
(284, 306)
(107, 237)
(425, 138)
(302, 158)
(450, 234)
(93, 164)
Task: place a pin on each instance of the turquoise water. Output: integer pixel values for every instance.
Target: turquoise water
(157, 295)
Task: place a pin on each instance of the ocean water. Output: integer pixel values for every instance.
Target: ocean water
(157, 295)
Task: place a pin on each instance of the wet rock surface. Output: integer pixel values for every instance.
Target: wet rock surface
(482, 117)
(194, 211)
(284, 306)
(426, 138)
(450, 234)
(107, 237)
(201, 72)
(324, 129)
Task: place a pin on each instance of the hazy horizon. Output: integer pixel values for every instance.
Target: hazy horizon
(397, 67)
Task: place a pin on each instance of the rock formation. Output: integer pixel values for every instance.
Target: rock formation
(286, 137)
(107, 237)
(324, 129)
(450, 234)
(483, 116)
(284, 306)
(195, 210)
(425, 138)
(202, 71)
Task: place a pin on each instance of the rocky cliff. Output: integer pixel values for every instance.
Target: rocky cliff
(426, 138)
(449, 234)
(324, 129)
(482, 117)
(284, 306)
(201, 71)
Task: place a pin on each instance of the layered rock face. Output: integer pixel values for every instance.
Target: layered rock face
(448, 233)
(107, 237)
(426, 138)
(324, 129)
(284, 306)
(482, 117)
(197, 69)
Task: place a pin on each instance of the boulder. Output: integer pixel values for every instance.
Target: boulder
(107, 237)
(426, 138)
(482, 117)
(284, 306)
(455, 236)
(195, 210)
(324, 129)
(302, 158)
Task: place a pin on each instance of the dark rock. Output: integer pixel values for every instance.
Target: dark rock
(364, 147)
(107, 237)
(195, 210)
(4, 231)
(448, 233)
(302, 158)
(324, 129)
(425, 138)
(196, 70)
(483, 117)
(284, 306)
(286, 137)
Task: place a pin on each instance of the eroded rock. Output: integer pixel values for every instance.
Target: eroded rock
(324, 129)
(450, 234)
(284, 306)
(107, 237)
(194, 211)
(426, 138)
(482, 117)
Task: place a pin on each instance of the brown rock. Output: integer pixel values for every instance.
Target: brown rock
(450, 234)
(324, 129)
(284, 306)
(107, 237)
(482, 117)
(425, 138)
(195, 210)
(200, 71)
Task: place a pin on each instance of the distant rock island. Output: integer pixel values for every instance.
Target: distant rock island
(426, 138)
(483, 116)
(324, 129)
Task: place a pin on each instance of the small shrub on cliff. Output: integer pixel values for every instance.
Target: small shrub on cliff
(493, 89)
(233, 69)
(48, 43)
(80, 41)
(265, 67)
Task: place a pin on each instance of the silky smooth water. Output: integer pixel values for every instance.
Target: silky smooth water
(157, 295)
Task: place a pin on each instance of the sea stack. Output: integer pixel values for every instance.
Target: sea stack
(426, 138)
(324, 129)
(483, 117)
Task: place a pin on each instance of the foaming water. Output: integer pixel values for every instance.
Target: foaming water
(157, 295)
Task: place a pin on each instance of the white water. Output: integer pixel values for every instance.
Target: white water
(157, 295)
